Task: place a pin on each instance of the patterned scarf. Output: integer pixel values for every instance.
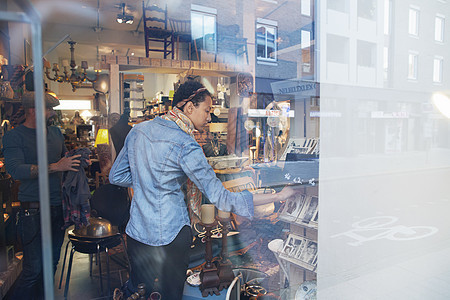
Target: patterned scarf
(193, 194)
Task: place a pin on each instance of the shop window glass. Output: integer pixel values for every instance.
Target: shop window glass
(266, 36)
(204, 30)
(439, 28)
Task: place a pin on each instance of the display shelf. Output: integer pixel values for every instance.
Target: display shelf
(300, 264)
(299, 251)
(303, 225)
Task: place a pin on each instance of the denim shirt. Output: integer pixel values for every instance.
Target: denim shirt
(156, 160)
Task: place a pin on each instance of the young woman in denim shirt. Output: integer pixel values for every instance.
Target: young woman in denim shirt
(158, 157)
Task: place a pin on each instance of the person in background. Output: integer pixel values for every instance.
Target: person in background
(77, 119)
(21, 159)
(119, 132)
(158, 158)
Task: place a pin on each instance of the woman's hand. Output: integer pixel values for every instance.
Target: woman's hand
(262, 199)
(286, 193)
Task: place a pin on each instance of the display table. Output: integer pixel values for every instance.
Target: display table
(194, 293)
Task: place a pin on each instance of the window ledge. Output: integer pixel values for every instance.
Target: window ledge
(267, 63)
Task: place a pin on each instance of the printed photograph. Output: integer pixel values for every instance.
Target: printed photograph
(309, 210)
(309, 252)
(293, 207)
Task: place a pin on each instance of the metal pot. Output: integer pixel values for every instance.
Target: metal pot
(97, 228)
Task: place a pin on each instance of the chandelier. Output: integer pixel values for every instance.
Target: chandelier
(123, 17)
(75, 78)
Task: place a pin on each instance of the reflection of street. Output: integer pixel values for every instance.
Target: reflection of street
(375, 230)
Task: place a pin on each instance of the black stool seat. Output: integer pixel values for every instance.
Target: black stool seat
(91, 246)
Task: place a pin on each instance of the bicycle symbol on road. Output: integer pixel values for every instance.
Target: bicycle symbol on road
(375, 228)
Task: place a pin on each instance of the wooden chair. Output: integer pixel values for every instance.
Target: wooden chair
(230, 42)
(101, 179)
(182, 34)
(155, 30)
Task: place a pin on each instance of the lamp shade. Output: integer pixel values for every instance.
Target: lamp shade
(102, 137)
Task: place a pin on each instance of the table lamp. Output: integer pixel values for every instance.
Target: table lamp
(102, 137)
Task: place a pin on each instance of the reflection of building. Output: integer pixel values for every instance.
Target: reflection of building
(380, 62)
(290, 70)
(367, 52)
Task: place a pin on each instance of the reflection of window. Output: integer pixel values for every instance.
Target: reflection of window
(306, 51)
(337, 49)
(306, 7)
(386, 63)
(203, 27)
(266, 37)
(338, 5)
(437, 69)
(412, 65)
(387, 16)
(439, 23)
(413, 21)
(366, 54)
(306, 39)
(367, 9)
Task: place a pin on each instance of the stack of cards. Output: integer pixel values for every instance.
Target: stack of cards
(300, 251)
(301, 209)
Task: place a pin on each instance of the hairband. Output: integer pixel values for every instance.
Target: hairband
(184, 101)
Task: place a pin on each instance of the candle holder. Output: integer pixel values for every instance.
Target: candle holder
(226, 274)
(209, 275)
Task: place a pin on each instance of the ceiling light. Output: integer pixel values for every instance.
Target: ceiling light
(123, 17)
(76, 78)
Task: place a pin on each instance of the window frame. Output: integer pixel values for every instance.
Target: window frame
(306, 49)
(416, 65)
(387, 7)
(362, 10)
(302, 7)
(205, 12)
(442, 32)
(440, 59)
(267, 24)
(416, 30)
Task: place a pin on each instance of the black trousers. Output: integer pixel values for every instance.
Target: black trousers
(30, 283)
(168, 263)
